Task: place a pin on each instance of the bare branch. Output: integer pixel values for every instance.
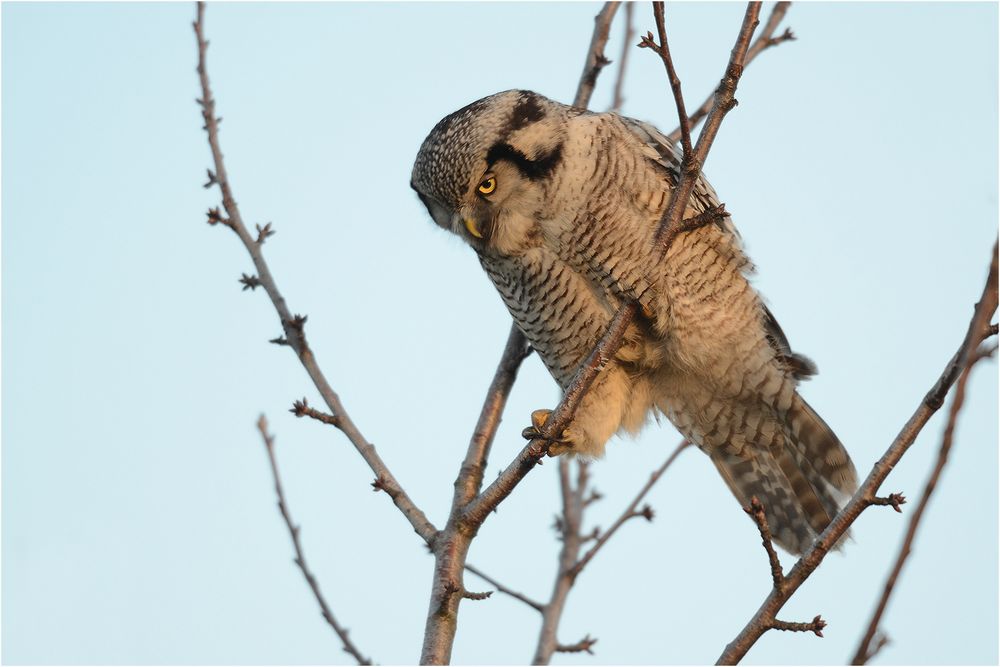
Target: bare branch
(807, 564)
(618, 100)
(814, 626)
(865, 650)
(596, 61)
(756, 512)
(764, 41)
(303, 409)
(477, 510)
(582, 646)
(570, 529)
(469, 510)
(293, 325)
(723, 102)
(300, 558)
(537, 606)
(663, 50)
(630, 511)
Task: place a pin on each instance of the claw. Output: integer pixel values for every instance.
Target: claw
(538, 420)
(539, 417)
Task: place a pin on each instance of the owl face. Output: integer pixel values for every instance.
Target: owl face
(483, 171)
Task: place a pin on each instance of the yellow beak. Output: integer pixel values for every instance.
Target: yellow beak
(470, 225)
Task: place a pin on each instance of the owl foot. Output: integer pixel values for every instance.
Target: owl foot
(533, 432)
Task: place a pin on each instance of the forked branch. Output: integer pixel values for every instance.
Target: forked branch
(764, 619)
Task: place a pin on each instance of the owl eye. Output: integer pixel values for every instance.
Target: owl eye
(488, 185)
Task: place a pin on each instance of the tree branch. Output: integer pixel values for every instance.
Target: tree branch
(723, 102)
(618, 100)
(630, 511)
(469, 510)
(764, 41)
(300, 558)
(596, 61)
(865, 649)
(573, 501)
(293, 325)
(764, 618)
(477, 510)
(537, 606)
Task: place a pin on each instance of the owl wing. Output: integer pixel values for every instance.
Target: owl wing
(667, 159)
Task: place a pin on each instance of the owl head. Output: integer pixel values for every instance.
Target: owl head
(483, 171)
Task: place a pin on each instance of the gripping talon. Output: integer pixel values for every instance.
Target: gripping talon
(538, 421)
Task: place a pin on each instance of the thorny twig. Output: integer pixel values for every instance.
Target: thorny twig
(293, 325)
(764, 618)
(865, 650)
(300, 558)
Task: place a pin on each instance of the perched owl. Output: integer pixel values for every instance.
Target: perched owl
(561, 206)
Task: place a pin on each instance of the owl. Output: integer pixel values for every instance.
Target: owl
(561, 206)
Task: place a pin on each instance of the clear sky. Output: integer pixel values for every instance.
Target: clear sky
(139, 523)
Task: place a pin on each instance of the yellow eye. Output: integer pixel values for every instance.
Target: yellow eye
(488, 185)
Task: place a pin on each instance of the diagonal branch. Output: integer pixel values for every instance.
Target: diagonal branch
(723, 102)
(469, 510)
(630, 512)
(293, 325)
(300, 558)
(537, 606)
(763, 42)
(596, 60)
(764, 618)
(865, 650)
(617, 99)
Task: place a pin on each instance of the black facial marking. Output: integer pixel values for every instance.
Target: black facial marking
(527, 110)
(535, 169)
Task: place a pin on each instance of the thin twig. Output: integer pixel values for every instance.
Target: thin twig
(764, 41)
(663, 50)
(582, 646)
(865, 650)
(630, 511)
(293, 325)
(570, 524)
(618, 100)
(756, 512)
(763, 619)
(814, 626)
(526, 460)
(723, 102)
(300, 558)
(537, 606)
(596, 61)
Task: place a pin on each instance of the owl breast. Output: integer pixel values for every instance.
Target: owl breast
(553, 306)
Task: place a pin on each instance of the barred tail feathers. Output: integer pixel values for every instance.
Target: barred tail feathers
(802, 481)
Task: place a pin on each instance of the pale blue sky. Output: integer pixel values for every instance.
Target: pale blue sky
(139, 523)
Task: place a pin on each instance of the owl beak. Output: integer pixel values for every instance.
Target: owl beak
(472, 227)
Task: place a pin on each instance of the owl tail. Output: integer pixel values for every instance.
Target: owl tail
(801, 483)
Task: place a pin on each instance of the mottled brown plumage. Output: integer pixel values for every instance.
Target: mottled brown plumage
(561, 206)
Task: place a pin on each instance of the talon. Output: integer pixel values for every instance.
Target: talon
(539, 417)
